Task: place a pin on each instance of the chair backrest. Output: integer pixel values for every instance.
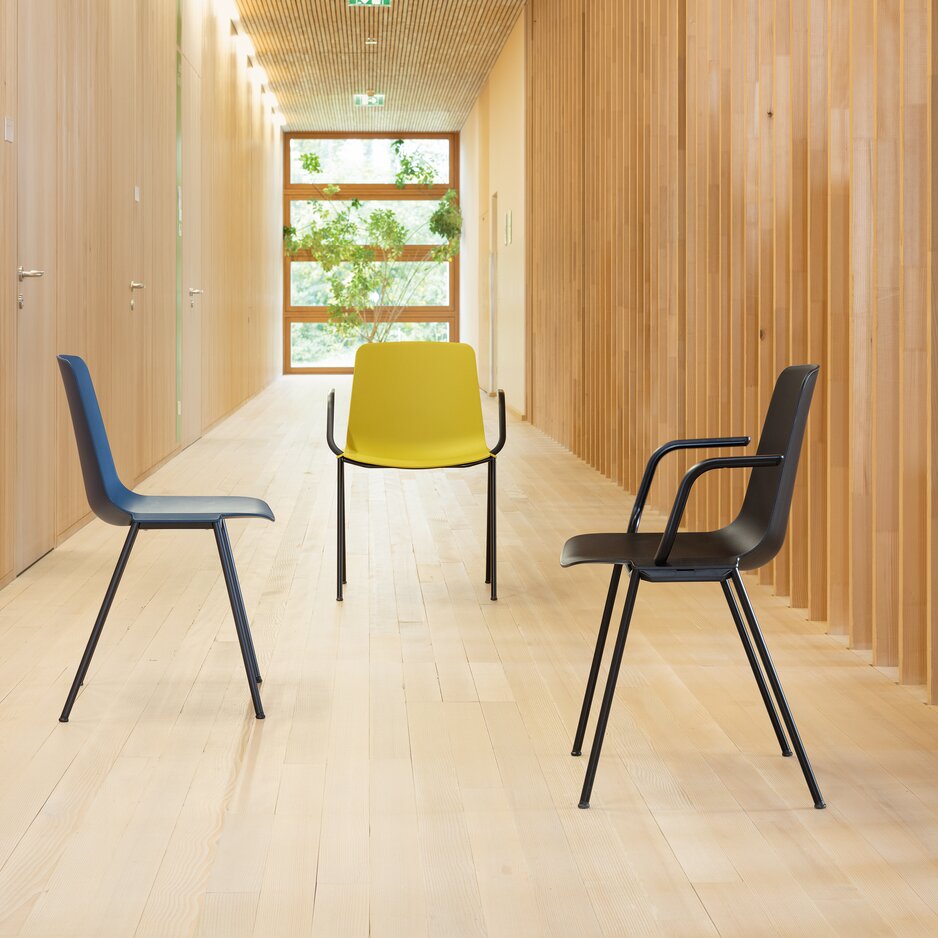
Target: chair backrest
(764, 514)
(414, 399)
(106, 494)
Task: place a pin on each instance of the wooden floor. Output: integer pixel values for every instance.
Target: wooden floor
(413, 776)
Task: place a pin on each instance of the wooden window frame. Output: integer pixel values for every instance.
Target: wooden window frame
(367, 192)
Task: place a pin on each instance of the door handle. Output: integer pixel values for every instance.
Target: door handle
(194, 292)
(136, 285)
(22, 274)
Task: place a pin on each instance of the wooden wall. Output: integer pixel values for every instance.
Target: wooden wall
(7, 281)
(243, 226)
(724, 187)
(114, 70)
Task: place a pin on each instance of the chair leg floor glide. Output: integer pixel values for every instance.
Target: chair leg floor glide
(767, 689)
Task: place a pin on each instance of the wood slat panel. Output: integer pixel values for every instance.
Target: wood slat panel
(837, 358)
(914, 379)
(754, 194)
(431, 59)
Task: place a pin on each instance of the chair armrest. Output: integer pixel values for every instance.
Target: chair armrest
(330, 423)
(687, 483)
(662, 451)
(502, 428)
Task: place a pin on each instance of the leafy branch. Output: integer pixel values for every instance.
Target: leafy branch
(358, 250)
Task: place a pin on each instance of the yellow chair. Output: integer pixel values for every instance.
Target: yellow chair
(415, 405)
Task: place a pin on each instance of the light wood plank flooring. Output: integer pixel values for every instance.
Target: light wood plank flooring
(413, 776)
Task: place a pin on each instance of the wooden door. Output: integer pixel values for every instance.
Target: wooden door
(8, 283)
(36, 371)
(493, 297)
(121, 407)
(192, 286)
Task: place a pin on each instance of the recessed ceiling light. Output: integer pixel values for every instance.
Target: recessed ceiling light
(256, 72)
(370, 99)
(371, 41)
(369, 3)
(243, 42)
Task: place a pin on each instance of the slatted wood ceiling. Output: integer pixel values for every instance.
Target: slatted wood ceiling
(431, 59)
(735, 185)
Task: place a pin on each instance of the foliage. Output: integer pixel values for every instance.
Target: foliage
(414, 168)
(316, 344)
(360, 252)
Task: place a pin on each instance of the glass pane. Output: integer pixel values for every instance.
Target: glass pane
(412, 283)
(315, 344)
(363, 159)
(412, 214)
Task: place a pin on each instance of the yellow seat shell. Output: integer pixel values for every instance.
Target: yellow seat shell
(416, 405)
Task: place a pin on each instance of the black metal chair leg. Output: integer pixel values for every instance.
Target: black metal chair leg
(756, 670)
(492, 528)
(340, 529)
(228, 569)
(245, 625)
(99, 622)
(610, 690)
(777, 690)
(344, 533)
(488, 529)
(597, 660)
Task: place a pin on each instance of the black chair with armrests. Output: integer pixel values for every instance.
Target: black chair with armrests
(750, 541)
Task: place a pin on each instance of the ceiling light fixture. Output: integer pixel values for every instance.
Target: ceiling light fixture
(369, 3)
(369, 99)
(244, 43)
(371, 41)
(257, 73)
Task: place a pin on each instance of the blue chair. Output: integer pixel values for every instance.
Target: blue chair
(112, 502)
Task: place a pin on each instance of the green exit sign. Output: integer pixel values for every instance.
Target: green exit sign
(368, 100)
(369, 3)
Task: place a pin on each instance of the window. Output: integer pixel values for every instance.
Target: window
(363, 167)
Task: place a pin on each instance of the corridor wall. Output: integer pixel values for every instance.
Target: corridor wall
(113, 82)
(717, 188)
(492, 165)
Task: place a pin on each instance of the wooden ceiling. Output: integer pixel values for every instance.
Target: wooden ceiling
(431, 59)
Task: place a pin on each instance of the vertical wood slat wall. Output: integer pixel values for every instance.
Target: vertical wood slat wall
(736, 185)
(115, 78)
